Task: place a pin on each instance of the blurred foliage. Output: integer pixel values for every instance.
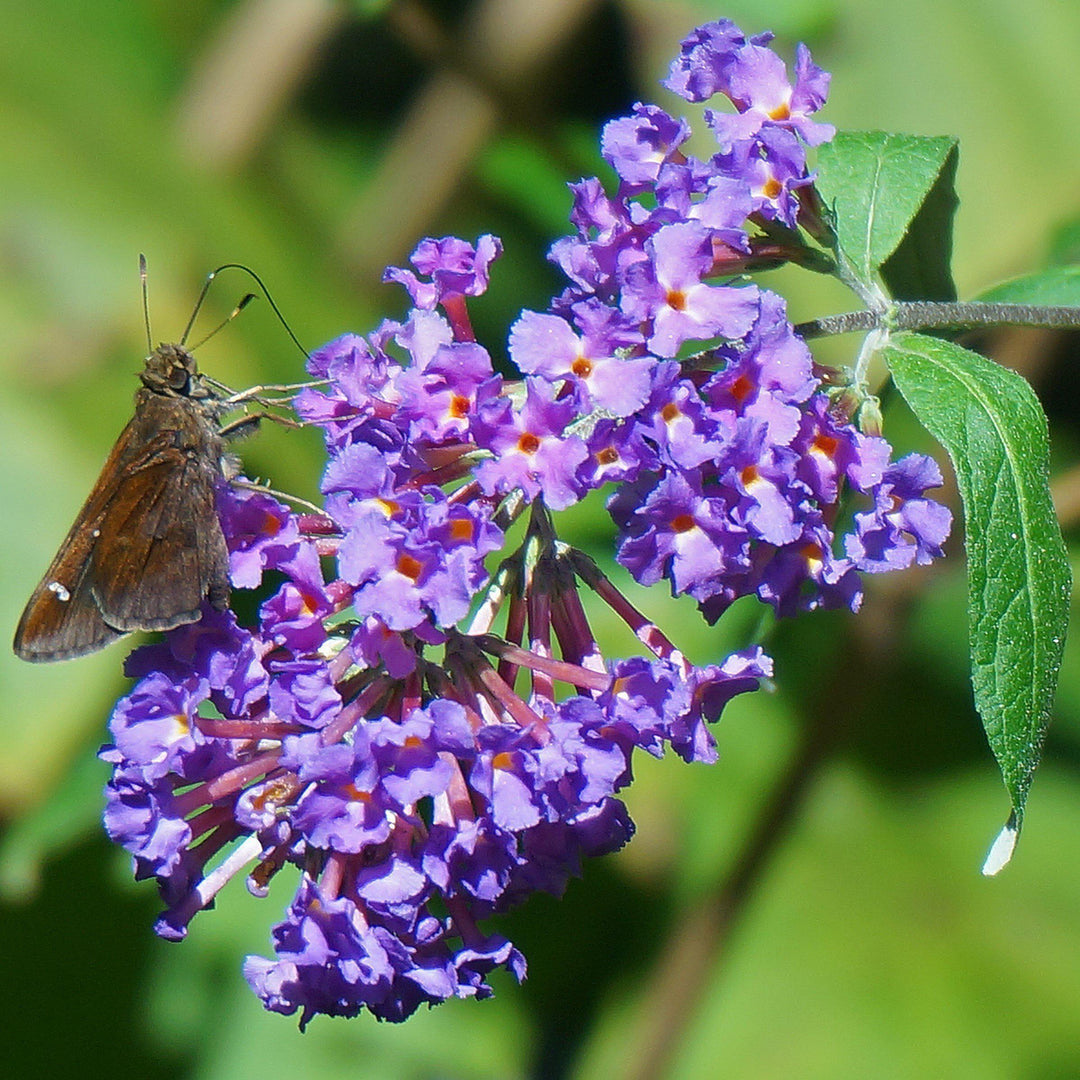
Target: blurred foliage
(316, 141)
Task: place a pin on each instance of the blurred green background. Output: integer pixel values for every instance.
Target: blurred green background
(316, 141)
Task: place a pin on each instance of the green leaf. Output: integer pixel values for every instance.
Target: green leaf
(1019, 583)
(523, 174)
(876, 183)
(1065, 244)
(370, 9)
(1058, 286)
(921, 266)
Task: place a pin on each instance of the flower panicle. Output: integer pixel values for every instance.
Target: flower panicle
(427, 740)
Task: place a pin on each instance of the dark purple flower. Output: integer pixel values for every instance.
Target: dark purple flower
(768, 378)
(680, 533)
(669, 294)
(260, 533)
(144, 819)
(329, 960)
(455, 267)
(702, 67)
(617, 451)
(530, 448)
(904, 527)
(806, 575)
(593, 358)
(637, 146)
(303, 692)
(679, 422)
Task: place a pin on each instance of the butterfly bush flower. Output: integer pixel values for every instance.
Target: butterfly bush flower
(421, 724)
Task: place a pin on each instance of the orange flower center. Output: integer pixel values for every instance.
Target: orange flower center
(812, 554)
(741, 388)
(408, 567)
(676, 299)
(461, 530)
(825, 444)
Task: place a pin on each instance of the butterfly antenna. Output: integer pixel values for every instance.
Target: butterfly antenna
(198, 305)
(225, 322)
(145, 303)
(266, 292)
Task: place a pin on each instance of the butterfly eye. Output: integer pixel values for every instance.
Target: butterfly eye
(179, 377)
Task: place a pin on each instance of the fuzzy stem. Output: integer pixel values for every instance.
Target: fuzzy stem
(926, 315)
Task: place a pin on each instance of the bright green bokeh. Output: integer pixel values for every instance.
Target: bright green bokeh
(871, 947)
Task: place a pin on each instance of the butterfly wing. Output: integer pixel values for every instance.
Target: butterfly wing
(166, 552)
(61, 619)
(146, 549)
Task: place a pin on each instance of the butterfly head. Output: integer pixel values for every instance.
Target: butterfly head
(171, 369)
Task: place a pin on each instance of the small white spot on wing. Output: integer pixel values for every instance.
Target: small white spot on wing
(59, 591)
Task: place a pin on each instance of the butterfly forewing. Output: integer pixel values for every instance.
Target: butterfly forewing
(147, 547)
(61, 620)
(166, 552)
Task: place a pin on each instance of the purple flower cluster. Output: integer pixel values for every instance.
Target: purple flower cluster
(429, 737)
(731, 463)
(415, 796)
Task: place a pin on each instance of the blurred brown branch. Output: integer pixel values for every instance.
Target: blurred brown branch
(476, 76)
(250, 69)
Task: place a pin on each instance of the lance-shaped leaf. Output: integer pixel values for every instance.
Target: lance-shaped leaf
(1019, 584)
(883, 187)
(1056, 286)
